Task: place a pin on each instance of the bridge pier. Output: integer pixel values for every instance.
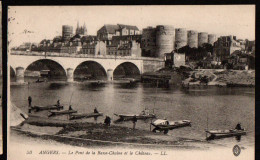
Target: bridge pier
(110, 75)
(19, 75)
(70, 75)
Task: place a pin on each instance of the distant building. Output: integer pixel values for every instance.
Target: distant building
(81, 30)
(128, 49)
(118, 40)
(225, 46)
(174, 59)
(94, 48)
(148, 42)
(88, 39)
(240, 61)
(108, 31)
(67, 32)
(250, 46)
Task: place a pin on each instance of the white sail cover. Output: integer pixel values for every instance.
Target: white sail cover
(160, 122)
(15, 115)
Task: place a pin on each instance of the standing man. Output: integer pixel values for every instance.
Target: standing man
(30, 104)
(30, 101)
(134, 121)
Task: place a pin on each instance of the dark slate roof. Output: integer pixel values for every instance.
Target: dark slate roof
(128, 27)
(110, 28)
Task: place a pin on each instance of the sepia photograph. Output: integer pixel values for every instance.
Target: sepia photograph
(131, 82)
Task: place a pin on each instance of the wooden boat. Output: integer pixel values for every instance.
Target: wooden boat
(50, 107)
(84, 115)
(165, 125)
(138, 116)
(54, 113)
(39, 81)
(217, 134)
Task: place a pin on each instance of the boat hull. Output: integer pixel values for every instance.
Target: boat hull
(130, 117)
(170, 127)
(87, 115)
(54, 113)
(225, 134)
(41, 108)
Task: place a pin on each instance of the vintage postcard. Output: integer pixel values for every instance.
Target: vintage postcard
(131, 82)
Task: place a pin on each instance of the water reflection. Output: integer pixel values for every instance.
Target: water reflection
(56, 86)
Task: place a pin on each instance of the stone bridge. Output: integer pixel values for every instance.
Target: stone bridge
(20, 60)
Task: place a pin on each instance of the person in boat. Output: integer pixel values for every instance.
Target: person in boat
(166, 121)
(70, 108)
(143, 112)
(107, 121)
(95, 110)
(238, 127)
(134, 121)
(58, 103)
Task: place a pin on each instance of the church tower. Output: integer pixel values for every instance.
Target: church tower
(82, 30)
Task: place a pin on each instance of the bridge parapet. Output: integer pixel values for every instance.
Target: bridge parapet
(56, 54)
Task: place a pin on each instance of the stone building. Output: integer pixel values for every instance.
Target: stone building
(94, 48)
(174, 59)
(118, 40)
(225, 46)
(108, 31)
(127, 49)
(148, 42)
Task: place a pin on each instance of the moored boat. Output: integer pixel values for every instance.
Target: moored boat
(142, 115)
(165, 125)
(84, 115)
(53, 113)
(50, 107)
(217, 134)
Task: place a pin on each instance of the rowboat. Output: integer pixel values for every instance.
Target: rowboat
(39, 81)
(126, 117)
(165, 125)
(54, 113)
(84, 115)
(217, 134)
(50, 107)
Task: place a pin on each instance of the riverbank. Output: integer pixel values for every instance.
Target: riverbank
(213, 77)
(229, 78)
(100, 135)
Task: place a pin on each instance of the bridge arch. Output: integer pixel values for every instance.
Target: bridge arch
(89, 69)
(126, 70)
(56, 70)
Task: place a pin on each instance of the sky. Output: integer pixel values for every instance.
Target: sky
(47, 21)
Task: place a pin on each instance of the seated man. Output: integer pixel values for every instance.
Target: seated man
(238, 127)
(95, 110)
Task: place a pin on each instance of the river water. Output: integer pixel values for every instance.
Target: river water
(224, 107)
